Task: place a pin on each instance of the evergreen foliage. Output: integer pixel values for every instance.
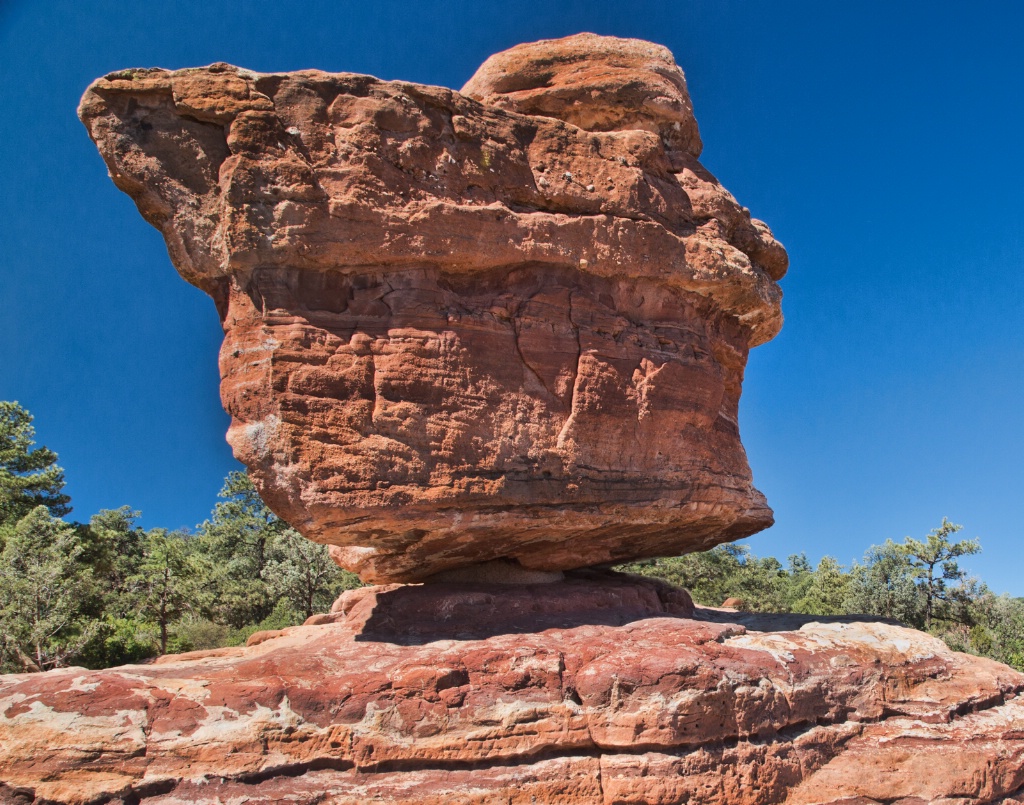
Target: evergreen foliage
(917, 582)
(934, 563)
(28, 478)
(258, 562)
(42, 586)
(110, 592)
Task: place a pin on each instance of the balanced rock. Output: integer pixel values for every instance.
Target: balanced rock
(508, 323)
(596, 689)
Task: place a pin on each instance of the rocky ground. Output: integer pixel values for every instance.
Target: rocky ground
(595, 689)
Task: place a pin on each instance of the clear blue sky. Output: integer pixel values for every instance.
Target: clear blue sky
(881, 141)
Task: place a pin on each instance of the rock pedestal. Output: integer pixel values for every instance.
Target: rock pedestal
(508, 323)
(596, 689)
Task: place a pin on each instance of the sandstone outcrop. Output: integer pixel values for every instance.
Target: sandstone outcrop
(481, 338)
(507, 323)
(597, 689)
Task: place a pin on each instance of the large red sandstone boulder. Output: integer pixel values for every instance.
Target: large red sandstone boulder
(509, 323)
(592, 690)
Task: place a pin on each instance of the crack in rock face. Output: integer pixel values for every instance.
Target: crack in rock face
(508, 323)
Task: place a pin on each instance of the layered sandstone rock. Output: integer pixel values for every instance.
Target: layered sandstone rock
(509, 323)
(598, 689)
(490, 335)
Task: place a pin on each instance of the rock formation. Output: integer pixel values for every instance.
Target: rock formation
(596, 689)
(470, 337)
(509, 323)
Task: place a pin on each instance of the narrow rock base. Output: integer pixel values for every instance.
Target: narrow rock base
(600, 688)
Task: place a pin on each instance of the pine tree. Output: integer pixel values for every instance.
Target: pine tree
(241, 541)
(827, 590)
(885, 584)
(28, 478)
(170, 579)
(935, 562)
(305, 574)
(42, 586)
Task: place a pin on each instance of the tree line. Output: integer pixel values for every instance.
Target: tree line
(108, 592)
(917, 582)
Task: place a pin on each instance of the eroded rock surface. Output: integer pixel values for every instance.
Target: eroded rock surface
(510, 322)
(597, 689)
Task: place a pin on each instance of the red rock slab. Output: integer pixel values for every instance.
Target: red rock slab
(597, 83)
(505, 324)
(721, 707)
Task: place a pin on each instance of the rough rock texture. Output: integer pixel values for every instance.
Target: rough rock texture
(506, 323)
(592, 690)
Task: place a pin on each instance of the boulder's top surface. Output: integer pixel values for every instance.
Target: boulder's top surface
(509, 323)
(609, 690)
(207, 145)
(599, 83)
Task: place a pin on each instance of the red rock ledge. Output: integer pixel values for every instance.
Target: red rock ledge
(597, 689)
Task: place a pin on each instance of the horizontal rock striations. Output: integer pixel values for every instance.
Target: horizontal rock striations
(507, 323)
(597, 689)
